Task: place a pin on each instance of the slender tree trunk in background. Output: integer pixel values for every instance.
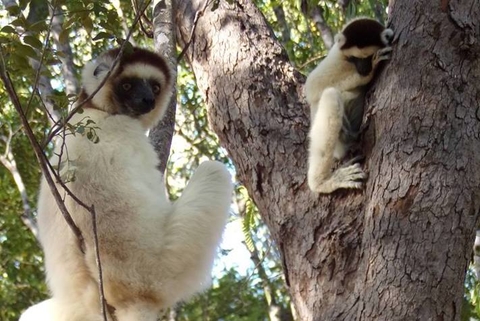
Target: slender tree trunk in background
(39, 11)
(399, 249)
(7, 159)
(68, 66)
(164, 37)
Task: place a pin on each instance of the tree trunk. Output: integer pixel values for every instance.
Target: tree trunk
(397, 250)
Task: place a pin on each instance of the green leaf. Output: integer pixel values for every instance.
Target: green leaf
(14, 10)
(87, 24)
(19, 22)
(103, 35)
(216, 4)
(26, 51)
(4, 39)
(23, 3)
(128, 48)
(69, 22)
(8, 29)
(32, 41)
(18, 60)
(92, 136)
(64, 35)
(38, 26)
(248, 223)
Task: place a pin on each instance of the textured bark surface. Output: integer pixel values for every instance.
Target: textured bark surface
(397, 250)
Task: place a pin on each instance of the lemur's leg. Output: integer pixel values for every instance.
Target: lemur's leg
(324, 136)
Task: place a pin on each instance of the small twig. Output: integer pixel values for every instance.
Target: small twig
(148, 33)
(309, 61)
(60, 182)
(103, 302)
(198, 14)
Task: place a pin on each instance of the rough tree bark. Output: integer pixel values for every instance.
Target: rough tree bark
(397, 250)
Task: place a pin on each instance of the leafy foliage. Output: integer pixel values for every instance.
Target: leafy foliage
(471, 299)
(232, 298)
(21, 263)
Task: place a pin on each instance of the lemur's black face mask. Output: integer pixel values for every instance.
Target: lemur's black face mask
(136, 96)
(363, 65)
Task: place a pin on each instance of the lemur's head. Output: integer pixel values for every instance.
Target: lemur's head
(363, 37)
(139, 86)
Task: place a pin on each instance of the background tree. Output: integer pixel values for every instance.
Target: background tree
(397, 251)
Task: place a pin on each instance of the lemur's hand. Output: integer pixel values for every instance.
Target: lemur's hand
(380, 55)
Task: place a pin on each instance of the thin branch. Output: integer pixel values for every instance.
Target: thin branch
(198, 14)
(123, 20)
(148, 33)
(103, 302)
(309, 61)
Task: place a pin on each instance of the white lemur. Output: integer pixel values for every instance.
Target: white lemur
(335, 90)
(153, 253)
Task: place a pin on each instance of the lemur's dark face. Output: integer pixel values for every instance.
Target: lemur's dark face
(136, 96)
(139, 86)
(364, 66)
(360, 40)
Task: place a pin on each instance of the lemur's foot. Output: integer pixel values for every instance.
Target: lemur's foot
(350, 176)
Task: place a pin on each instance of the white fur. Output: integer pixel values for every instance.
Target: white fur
(53, 309)
(332, 84)
(154, 253)
(43, 311)
(91, 83)
(387, 36)
(143, 71)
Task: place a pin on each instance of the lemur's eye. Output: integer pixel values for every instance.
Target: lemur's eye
(126, 86)
(156, 89)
